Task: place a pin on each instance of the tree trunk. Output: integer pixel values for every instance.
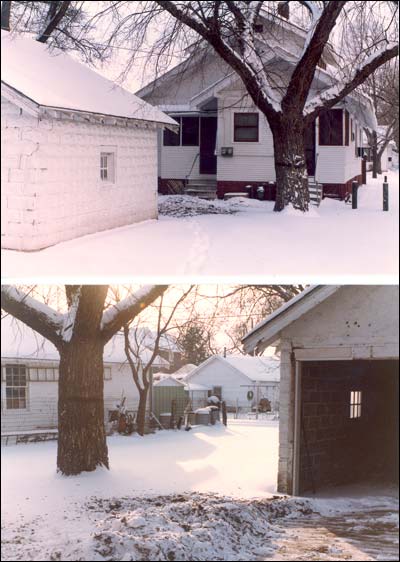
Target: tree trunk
(141, 413)
(290, 163)
(82, 440)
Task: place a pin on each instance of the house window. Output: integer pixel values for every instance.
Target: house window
(190, 131)
(16, 388)
(245, 127)
(331, 128)
(355, 404)
(43, 374)
(107, 373)
(258, 28)
(107, 167)
(188, 134)
(170, 137)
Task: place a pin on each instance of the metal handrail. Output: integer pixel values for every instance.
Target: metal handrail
(191, 169)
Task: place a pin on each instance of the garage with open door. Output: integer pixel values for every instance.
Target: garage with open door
(349, 430)
(339, 400)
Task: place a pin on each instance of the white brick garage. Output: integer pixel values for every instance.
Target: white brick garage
(339, 385)
(78, 155)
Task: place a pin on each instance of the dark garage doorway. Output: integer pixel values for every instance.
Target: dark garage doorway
(349, 429)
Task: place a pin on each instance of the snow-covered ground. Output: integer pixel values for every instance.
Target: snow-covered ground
(207, 494)
(235, 240)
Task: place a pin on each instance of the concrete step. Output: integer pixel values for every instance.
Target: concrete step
(201, 193)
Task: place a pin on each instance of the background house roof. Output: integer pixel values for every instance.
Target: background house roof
(54, 79)
(261, 369)
(20, 342)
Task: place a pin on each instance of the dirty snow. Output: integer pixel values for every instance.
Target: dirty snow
(254, 244)
(207, 494)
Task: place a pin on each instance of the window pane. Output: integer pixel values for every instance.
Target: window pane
(33, 374)
(331, 128)
(248, 134)
(171, 138)
(190, 131)
(246, 119)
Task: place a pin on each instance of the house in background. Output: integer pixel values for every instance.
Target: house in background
(231, 378)
(224, 143)
(29, 375)
(79, 154)
(339, 394)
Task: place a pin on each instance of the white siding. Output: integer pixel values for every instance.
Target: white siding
(41, 411)
(251, 161)
(219, 373)
(338, 164)
(51, 187)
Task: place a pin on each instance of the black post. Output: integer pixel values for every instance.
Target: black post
(385, 195)
(354, 193)
(224, 416)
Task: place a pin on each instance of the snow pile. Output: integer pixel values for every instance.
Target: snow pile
(188, 206)
(188, 527)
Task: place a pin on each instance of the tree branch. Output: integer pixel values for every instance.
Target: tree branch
(303, 75)
(124, 311)
(55, 17)
(335, 94)
(37, 315)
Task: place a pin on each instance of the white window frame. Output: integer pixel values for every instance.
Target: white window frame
(108, 159)
(43, 374)
(355, 404)
(107, 374)
(13, 386)
(245, 110)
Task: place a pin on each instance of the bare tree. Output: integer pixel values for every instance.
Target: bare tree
(135, 345)
(289, 104)
(80, 335)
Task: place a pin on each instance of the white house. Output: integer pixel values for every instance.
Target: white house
(339, 394)
(29, 375)
(224, 143)
(78, 153)
(231, 378)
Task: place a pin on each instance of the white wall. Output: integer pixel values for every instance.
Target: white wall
(41, 411)
(51, 187)
(251, 161)
(220, 373)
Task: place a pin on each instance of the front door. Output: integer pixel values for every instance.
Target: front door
(309, 141)
(208, 137)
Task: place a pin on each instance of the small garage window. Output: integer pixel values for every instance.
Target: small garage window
(355, 404)
(107, 167)
(245, 127)
(16, 387)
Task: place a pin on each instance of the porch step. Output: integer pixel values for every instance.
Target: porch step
(315, 192)
(202, 188)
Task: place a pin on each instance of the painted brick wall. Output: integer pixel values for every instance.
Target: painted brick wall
(336, 449)
(51, 187)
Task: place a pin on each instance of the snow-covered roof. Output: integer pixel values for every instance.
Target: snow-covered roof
(262, 369)
(193, 387)
(20, 342)
(53, 79)
(267, 331)
(184, 371)
(168, 381)
(256, 369)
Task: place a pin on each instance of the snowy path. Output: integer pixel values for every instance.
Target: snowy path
(253, 244)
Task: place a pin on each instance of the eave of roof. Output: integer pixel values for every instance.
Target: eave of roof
(268, 331)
